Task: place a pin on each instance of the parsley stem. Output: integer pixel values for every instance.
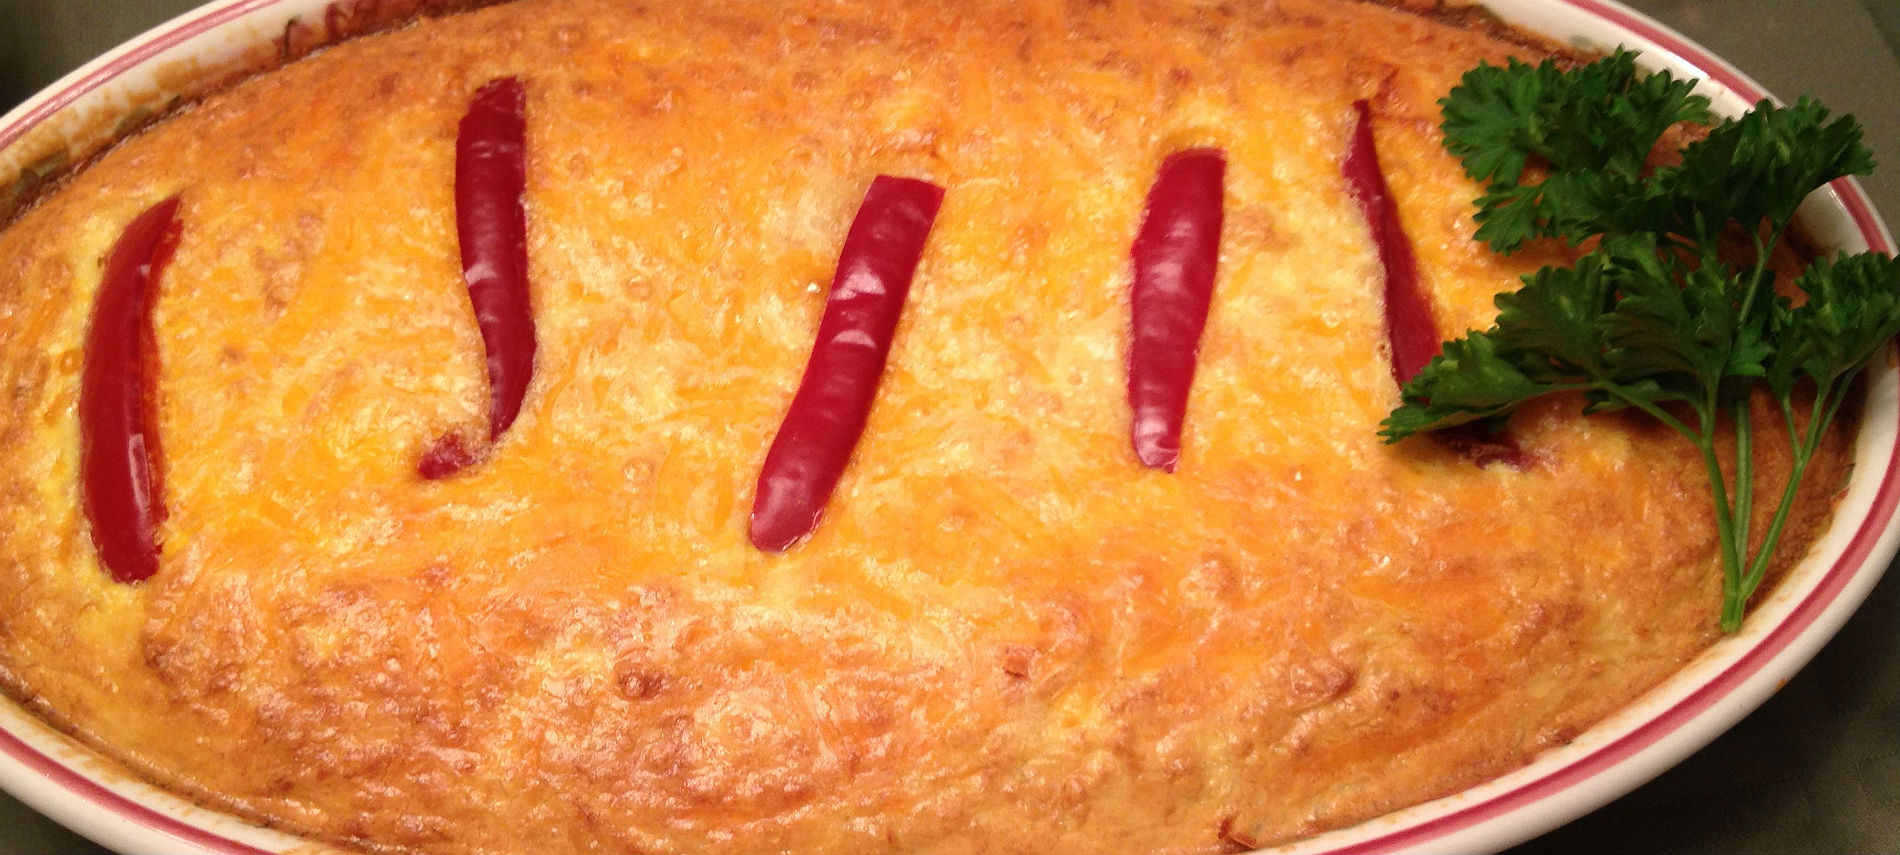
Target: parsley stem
(1742, 418)
(1704, 441)
(1647, 406)
(1828, 399)
(1732, 554)
(1739, 583)
(1764, 253)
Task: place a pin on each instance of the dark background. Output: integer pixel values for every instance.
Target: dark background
(1816, 769)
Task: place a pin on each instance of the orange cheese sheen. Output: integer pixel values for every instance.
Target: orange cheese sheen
(1005, 635)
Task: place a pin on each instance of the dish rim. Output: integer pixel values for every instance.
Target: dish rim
(80, 788)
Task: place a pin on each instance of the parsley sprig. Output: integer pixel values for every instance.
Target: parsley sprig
(1663, 315)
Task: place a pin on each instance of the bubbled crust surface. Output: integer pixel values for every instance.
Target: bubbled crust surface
(1006, 635)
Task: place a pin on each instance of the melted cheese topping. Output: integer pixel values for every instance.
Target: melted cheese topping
(1005, 635)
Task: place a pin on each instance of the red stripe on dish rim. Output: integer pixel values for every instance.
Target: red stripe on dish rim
(1799, 618)
(159, 44)
(55, 771)
(99, 794)
(1644, 735)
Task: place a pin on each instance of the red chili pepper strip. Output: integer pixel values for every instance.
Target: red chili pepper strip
(1175, 254)
(491, 175)
(121, 465)
(1411, 329)
(834, 397)
(1408, 314)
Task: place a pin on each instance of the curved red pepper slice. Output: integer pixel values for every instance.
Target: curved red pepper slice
(1175, 254)
(121, 465)
(1408, 314)
(1411, 329)
(827, 415)
(490, 178)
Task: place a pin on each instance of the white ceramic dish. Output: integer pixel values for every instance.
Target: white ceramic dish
(68, 782)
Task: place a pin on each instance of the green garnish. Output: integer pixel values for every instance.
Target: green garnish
(1662, 315)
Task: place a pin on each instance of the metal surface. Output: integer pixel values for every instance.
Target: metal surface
(1816, 769)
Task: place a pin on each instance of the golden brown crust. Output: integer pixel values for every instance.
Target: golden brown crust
(1006, 636)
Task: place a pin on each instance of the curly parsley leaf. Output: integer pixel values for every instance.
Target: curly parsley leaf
(1471, 380)
(1556, 316)
(1590, 129)
(1850, 309)
(1682, 328)
(1760, 167)
(1664, 315)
